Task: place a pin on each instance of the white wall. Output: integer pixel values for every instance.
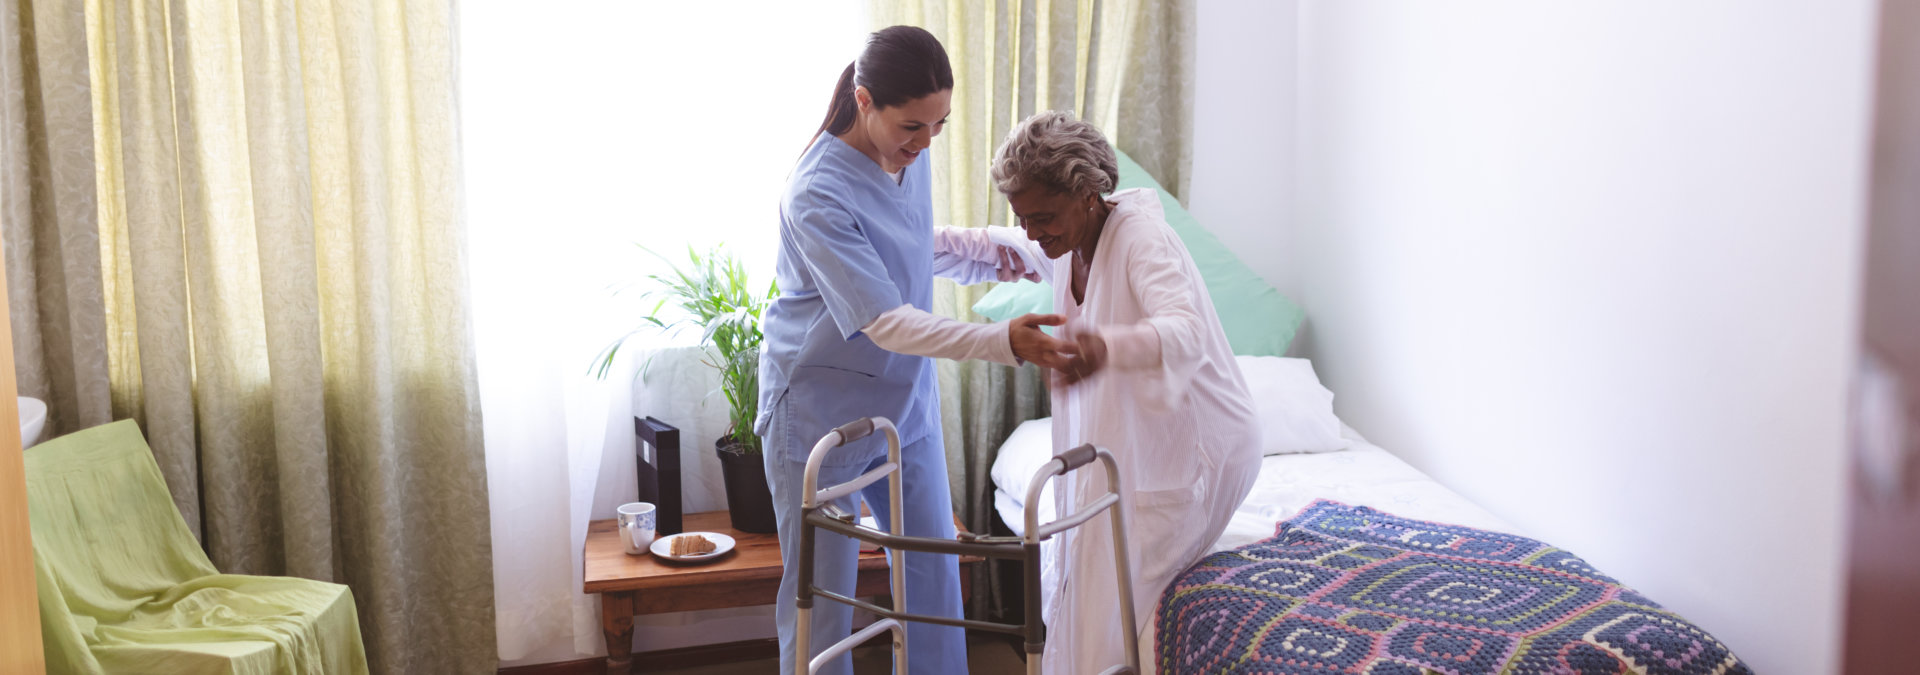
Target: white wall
(1243, 129)
(1594, 266)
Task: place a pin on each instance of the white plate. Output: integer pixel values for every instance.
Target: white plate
(663, 547)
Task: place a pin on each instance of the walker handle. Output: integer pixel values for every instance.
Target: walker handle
(1076, 458)
(855, 430)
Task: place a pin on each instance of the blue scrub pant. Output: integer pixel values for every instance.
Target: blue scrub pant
(933, 580)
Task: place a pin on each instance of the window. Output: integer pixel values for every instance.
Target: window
(592, 124)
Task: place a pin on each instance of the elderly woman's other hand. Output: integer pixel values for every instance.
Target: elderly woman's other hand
(1033, 345)
(1090, 356)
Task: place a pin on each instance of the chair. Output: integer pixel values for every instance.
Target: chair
(125, 588)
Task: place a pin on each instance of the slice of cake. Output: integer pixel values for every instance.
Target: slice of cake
(692, 544)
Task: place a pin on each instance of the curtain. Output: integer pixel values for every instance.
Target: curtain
(239, 224)
(48, 213)
(1124, 65)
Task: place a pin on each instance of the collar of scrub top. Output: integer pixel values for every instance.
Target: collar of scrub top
(854, 153)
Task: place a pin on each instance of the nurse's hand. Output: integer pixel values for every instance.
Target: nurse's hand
(1032, 345)
(1012, 267)
(1090, 359)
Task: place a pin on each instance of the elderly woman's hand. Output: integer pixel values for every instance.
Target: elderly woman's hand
(1090, 358)
(1033, 345)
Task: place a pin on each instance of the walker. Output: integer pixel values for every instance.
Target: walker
(818, 512)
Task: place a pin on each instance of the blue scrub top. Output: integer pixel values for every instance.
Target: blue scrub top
(853, 245)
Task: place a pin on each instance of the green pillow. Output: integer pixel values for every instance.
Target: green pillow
(1011, 299)
(1262, 322)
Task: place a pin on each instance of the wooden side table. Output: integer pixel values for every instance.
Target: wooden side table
(632, 585)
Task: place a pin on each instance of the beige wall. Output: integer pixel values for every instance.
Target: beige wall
(19, 611)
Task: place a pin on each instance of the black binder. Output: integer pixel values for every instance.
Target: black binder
(659, 476)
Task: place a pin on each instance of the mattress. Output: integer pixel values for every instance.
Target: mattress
(1364, 474)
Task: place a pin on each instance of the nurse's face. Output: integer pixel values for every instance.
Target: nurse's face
(900, 133)
(1058, 221)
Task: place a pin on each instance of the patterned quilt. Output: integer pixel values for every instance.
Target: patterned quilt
(1348, 589)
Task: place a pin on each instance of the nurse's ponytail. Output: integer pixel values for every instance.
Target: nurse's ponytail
(900, 64)
(841, 111)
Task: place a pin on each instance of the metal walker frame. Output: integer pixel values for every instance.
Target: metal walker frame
(817, 512)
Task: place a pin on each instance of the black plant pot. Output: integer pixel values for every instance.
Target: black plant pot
(749, 501)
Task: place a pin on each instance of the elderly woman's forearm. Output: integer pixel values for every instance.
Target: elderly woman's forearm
(1135, 347)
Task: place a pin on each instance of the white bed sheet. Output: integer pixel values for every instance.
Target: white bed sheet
(1362, 475)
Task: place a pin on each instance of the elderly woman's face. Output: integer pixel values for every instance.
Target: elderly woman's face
(1058, 221)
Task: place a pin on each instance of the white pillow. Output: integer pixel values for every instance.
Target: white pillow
(1295, 411)
(1030, 446)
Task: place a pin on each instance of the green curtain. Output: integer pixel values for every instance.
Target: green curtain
(238, 223)
(1125, 65)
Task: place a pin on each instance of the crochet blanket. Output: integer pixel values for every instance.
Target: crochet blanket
(1348, 589)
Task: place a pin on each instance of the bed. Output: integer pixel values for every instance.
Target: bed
(1345, 559)
(1308, 454)
(1361, 474)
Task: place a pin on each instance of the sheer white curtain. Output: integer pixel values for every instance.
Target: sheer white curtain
(589, 125)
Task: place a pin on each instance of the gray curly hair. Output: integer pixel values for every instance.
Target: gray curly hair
(1054, 150)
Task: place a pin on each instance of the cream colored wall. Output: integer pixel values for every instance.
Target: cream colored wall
(19, 615)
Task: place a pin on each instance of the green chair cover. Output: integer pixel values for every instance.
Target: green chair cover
(125, 588)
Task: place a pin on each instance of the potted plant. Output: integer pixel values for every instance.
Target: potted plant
(712, 293)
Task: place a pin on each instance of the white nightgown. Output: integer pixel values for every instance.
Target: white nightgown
(1171, 406)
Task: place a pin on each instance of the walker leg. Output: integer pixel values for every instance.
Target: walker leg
(803, 602)
(1123, 572)
(897, 559)
(1036, 633)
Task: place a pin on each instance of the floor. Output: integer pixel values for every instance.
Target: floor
(985, 654)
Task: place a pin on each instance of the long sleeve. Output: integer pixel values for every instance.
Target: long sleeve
(907, 330)
(971, 255)
(1169, 343)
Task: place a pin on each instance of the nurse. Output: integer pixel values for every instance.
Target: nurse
(850, 334)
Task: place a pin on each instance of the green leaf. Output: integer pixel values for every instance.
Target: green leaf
(710, 291)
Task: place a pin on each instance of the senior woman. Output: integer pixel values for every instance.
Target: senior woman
(1153, 381)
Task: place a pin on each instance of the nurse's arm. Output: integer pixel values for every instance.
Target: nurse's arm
(909, 330)
(971, 255)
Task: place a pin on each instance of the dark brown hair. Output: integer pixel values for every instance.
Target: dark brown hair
(900, 64)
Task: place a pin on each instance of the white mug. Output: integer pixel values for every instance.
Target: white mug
(636, 526)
